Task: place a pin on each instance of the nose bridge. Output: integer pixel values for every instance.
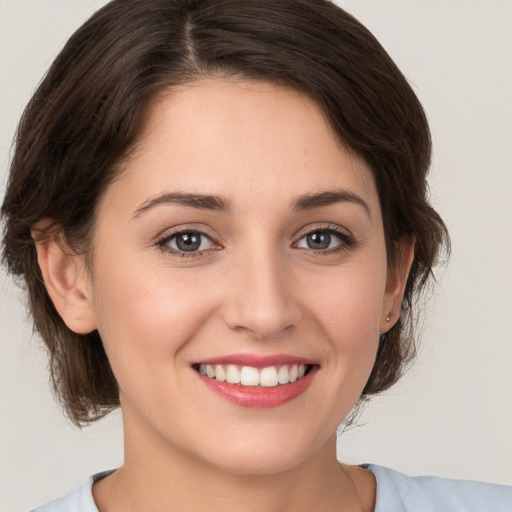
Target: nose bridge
(261, 298)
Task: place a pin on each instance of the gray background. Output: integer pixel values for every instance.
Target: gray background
(451, 415)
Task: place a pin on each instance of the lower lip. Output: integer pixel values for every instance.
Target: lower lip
(261, 397)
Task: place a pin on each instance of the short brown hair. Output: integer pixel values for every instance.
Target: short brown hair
(87, 113)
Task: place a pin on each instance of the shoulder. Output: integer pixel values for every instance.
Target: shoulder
(80, 500)
(397, 492)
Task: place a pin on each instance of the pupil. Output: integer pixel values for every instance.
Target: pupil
(188, 241)
(319, 240)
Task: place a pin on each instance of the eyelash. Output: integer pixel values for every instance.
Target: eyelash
(346, 242)
(163, 244)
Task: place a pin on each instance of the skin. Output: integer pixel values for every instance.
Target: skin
(254, 287)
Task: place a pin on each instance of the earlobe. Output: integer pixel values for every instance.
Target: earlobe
(396, 282)
(65, 278)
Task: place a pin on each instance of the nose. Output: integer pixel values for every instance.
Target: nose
(261, 298)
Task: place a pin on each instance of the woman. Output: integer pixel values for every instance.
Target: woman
(226, 204)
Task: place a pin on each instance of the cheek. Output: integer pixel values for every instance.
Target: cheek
(348, 302)
(145, 314)
(347, 305)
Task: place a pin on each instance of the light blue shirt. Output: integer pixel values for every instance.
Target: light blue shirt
(396, 492)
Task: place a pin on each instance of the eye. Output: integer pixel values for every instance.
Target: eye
(324, 240)
(187, 241)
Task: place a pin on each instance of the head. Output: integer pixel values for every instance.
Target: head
(86, 120)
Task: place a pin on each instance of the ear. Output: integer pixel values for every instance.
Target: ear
(65, 277)
(395, 283)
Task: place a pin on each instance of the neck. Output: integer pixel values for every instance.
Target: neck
(156, 477)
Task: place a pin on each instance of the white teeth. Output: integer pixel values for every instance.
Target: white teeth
(232, 374)
(283, 376)
(270, 376)
(220, 373)
(249, 376)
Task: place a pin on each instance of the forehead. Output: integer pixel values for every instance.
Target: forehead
(243, 139)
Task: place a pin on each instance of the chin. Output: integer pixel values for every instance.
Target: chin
(257, 454)
(258, 464)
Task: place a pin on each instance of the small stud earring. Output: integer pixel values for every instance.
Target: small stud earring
(387, 319)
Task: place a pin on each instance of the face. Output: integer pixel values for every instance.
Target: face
(244, 242)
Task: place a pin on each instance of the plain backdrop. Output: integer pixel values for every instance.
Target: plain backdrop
(451, 415)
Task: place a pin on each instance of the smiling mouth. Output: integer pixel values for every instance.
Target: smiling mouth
(249, 376)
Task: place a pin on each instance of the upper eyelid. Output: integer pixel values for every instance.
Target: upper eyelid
(169, 233)
(170, 236)
(323, 227)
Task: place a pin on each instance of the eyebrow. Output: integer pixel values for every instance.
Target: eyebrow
(217, 203)
(326, 198)
(200, 201)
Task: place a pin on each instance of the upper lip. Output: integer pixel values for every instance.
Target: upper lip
(256, 360)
